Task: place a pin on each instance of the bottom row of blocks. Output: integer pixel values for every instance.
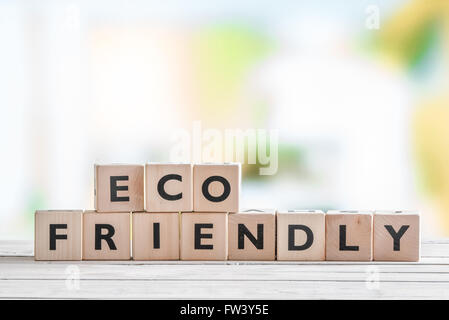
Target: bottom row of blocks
(293, 235)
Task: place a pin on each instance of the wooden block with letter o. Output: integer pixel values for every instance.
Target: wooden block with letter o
(349, 235)
(396, 236)
(106, 236)
(119, 188)
(169, 187)
(204, 236)
(58, 235)
(155, 236)
(252, 235)
(301, 235)
(216, 187)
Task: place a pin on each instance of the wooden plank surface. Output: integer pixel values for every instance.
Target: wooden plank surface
(22, 277)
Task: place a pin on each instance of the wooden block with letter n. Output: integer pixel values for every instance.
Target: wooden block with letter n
(252, 235)
(301, 235)
(155, 236)
(349, 235)
(58, 234)
(106, 236)
(216, 187)
(169, 187)
(204, 236)
(396, 236)
(119, 188)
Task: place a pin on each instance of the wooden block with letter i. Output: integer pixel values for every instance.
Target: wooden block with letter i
(119, 188)
(155, 236)
(252, 235)
(349, 235)
(106, 236)
(204, 236)
(301, 235)
(169, 187)
(216, 187)
(58, 235)
(396, 236)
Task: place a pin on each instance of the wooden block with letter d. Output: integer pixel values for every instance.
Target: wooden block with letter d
(204, 236)
(119, 188)
(301, 235)
(58, 235)
(169, 187)
(396, 236)
(349, 235)
(106, 236)
(252, 235)
(155, 236)
(216, 187)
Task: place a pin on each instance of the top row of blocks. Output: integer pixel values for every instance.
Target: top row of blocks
(168, 187)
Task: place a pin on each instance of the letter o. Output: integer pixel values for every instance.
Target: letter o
(226, 190)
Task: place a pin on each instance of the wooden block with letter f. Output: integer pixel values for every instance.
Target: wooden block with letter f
(119, 188)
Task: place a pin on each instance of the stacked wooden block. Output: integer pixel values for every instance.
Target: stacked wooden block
(192, 213)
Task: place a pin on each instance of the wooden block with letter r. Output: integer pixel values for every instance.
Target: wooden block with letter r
(349, 235)
(106, 236)
(155, 236)
(119, 188)
(397, 236)
(204, 236)
(58, 234)
(301, 235)
(169, 187)
(216, 187)
(252, 235)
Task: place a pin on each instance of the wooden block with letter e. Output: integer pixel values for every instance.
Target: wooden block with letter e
(396, 236)
(119, 188)
(58, 235)
(301, 235)
(349, 235)
(106, 236)
(216, 187)
(169, 187)
(252, 235)
(155, 236)
(204, 236)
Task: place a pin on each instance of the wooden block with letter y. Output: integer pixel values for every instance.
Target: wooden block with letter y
(58, 235)
(349, 235)
(119, 188)
(106, 236)
(252, 235)
(396, 236)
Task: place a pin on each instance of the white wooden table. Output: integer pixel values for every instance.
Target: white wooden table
(22, 277)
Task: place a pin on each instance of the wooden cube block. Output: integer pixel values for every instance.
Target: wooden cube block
(301, 235)
(216, 187)
(119, 188)
(204, 236)
(155, 236)
(349, 235)
(252, 235)
(169, 187)
(106, 236)
(58, 235)
(396, 236)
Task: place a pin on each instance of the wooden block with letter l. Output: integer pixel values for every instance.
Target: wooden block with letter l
(349, 235)
(204, 236)
(216, 187)
(397, 236)
(119, 188)
(106, 236)
(169, 187)
(58, 234)
(252, 235)
(155, 236)
(301, 235)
